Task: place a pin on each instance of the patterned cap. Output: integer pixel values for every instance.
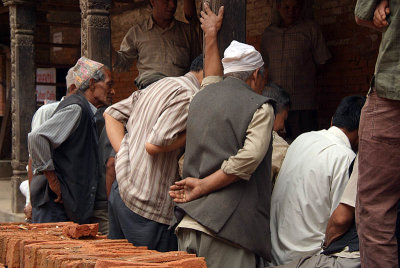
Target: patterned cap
(83, 70)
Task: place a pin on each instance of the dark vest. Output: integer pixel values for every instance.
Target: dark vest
(218, 119)
(350, 239)
(76, 163)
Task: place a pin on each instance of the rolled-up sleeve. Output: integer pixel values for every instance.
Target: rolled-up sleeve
(50, 135)
(172, 120)
(122, 110)
(127, 52)
(365, 9)
(256, 144)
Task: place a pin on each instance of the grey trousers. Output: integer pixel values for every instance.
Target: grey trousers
(216, 253)
(124, 223)
(323, 261)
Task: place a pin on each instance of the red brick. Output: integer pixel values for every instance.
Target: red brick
(85, 230)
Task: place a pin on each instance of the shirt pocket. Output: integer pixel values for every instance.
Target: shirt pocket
(181, 58)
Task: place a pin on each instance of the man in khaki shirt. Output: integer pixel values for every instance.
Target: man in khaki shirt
(161, 45)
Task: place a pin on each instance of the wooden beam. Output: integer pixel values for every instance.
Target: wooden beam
(60, 24)
(4, 10)
(234, 23)
(47, 44)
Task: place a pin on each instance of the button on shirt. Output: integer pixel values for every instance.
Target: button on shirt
(169, 51)
(310, 184)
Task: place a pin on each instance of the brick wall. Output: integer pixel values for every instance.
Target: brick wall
(354, 48)
(66, 244)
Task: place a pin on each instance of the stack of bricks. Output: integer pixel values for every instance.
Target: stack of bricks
(68, 245)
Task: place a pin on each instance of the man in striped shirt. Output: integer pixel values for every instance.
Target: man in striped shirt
(140, 208)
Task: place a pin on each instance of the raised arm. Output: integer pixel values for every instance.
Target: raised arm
(189, 8)
(211, 24)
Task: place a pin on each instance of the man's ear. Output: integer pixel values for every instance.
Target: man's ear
(72, 89)
(91, 84)
(255, 74)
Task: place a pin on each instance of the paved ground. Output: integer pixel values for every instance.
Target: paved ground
(5, 203)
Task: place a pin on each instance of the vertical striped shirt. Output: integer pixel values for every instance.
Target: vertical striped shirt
(155, 115)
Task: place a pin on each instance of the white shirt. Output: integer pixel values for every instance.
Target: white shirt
(308, 189)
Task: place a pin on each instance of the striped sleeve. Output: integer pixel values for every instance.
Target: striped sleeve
(52, 134)
(172, 121)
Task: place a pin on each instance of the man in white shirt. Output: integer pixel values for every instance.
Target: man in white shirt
(341, 245)
(311, 181)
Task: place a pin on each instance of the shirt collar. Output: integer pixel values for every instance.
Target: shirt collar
(94, 109)
(340, 134)
(151, 24)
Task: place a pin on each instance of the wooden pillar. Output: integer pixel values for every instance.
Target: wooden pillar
(234, 24)
(23, 102)
(96, 30)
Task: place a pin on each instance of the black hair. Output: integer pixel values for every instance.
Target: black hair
(348, 113)
(197, 64)
(278, 94)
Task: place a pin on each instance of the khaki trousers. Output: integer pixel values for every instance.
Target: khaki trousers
(379, 182)
(323, 261)
(216, 253)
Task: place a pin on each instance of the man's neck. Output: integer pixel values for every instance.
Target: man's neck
(163, 24)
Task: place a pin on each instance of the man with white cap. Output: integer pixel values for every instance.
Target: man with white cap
(64, 148)
(224, 200)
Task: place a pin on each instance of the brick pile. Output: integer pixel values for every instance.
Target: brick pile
(69, 245)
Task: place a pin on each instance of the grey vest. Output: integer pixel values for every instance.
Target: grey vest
(219, 116)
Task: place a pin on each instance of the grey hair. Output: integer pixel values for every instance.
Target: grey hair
(245, 74)
(97, 77)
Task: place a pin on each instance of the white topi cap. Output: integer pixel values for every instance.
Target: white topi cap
(239, 57)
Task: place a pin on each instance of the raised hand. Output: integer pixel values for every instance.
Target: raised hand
(210, 22)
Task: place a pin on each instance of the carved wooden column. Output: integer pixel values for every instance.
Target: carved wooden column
(234, 24)
(96, 30)
(23, 102)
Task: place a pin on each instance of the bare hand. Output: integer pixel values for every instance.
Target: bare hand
(28, 211)
(211, 23)
(54, 184)
(186, 190)
(380, 14)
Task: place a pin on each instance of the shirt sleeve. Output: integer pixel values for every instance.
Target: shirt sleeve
(52, 134)
(128, 52)
(365, 9)
(339, 182)
(172, 120)
(320, 51)
(122, 110)
(256, 144)
(279, 149)
(208, 80)
(350, 192)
